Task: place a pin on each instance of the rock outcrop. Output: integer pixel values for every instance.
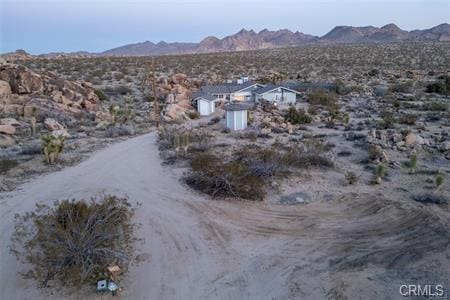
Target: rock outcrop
(176, 91)
(24, 92)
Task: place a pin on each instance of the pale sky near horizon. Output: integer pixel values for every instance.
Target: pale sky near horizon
(42, 26)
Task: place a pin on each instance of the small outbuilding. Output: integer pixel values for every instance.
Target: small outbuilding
(206, 104)
(236, 116)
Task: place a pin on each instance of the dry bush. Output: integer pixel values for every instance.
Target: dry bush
(214, 177)
(73, 242)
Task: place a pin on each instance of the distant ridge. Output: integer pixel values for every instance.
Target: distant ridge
(266, 39)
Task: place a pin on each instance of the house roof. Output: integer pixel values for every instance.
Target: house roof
(237, 107)
(203, 95)
(227, 88)
(269, 88)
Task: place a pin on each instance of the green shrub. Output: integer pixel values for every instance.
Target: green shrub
(297, 116)
(100, 95)
(439, 180)
(322, 98)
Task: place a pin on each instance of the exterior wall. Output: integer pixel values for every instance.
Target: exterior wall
(205, 107)
(242, 96)
(236, 120)
(230, 120)
(285, 97)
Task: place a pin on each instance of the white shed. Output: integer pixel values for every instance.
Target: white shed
(206, 104)
(236, 116)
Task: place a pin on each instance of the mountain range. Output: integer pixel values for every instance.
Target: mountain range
(266, 39)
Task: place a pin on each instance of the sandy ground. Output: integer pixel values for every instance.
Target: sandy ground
(354, 247)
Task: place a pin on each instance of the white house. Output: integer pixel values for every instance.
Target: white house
(209, 96)
(276, 94)
(236, 116)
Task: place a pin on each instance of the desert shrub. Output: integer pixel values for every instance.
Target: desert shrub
(404, 87)
(100, 95)
(74, 241)
(52, 147)
(193, 115)
(311, 153)
(439, 180)
(388, 119)
(123, 90)
(351, 178)
(408, 119)
(169, 138)
(373, 73)
(263, 162)
(214, 177)
(442, 86)
(7, 164)
(297, 116)
(435, 106)
(322, 98)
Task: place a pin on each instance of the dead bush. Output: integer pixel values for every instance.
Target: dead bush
(74, 241)
(214, 177)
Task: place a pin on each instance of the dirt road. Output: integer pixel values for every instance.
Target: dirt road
(196, 248)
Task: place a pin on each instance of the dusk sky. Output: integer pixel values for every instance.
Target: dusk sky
(42, 26)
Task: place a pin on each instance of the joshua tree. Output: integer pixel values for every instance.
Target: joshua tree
(439, 180)
(33, 120)
(186, 142)
(52, 147)
(379, 173)
(114, 111)
(128, 111)
(413, 163)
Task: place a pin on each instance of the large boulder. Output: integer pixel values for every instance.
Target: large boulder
(7, 129)
(6, 140)
(5, 88)
(179, 78)
(21, 79)
(410, 139)
(56, 128)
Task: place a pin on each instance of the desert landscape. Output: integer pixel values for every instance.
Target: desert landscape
(342, 193)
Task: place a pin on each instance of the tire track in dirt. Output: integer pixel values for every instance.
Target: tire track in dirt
(196, 248)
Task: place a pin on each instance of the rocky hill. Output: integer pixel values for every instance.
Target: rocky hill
(385, 34)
